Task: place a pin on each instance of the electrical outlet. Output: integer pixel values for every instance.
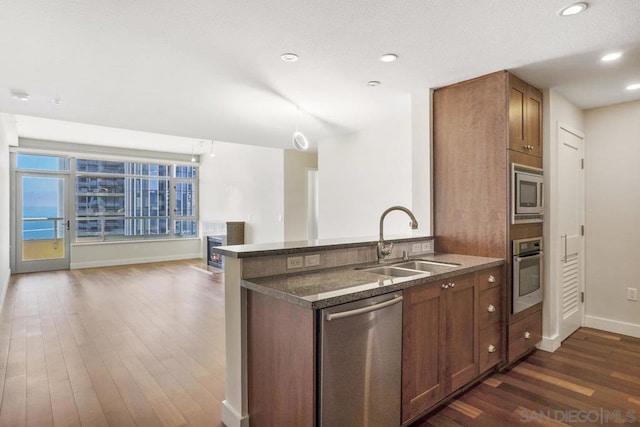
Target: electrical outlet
(295, 262)
(312, 260)
(415, 248)
(632, 294)
(426, 247)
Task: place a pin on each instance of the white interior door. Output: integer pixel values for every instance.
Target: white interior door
(571, 221)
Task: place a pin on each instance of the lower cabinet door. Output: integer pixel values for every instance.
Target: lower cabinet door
(462, 332)
(423, 339)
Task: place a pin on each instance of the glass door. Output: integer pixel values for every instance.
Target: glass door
(42, 222)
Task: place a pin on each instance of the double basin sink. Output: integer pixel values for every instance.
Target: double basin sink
(411, 268)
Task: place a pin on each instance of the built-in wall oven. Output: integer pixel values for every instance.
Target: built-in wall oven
(527, 192)
(527, 273)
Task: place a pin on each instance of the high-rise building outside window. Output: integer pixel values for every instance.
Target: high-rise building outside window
(119, 200)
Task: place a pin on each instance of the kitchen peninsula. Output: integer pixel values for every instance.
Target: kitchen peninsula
(275, 294)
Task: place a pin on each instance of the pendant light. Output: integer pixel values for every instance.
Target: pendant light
(300, 141)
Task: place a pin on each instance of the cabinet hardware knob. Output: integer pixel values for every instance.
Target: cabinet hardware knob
(527, 335)
(491, 279)
(445, 286)
(491, 349)
(452, 285)
(491, 308)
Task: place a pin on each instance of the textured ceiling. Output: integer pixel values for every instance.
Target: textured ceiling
(211, 69)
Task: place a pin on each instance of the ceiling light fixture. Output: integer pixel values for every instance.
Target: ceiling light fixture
(289, 57)
(634, 86)
(611, 56)
(574, 9)
(300, 141)
(373, 83)
(389, 57)
(20, 95)
(57, 101)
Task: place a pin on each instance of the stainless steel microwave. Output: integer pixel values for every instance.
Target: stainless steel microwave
(527, 193)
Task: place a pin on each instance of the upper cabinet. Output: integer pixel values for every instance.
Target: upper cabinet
(525, 117)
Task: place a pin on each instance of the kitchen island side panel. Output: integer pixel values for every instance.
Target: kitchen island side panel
(281, 362)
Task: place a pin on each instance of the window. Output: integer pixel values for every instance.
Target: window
(118, 200)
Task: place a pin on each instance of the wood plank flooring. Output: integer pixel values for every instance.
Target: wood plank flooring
(592, 379)
(144, 345)
(123, 346)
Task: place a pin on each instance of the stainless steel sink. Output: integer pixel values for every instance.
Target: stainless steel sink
(429, 266)
(393, 271)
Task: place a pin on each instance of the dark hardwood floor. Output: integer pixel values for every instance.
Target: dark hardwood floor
(592, 379)
(144, 345)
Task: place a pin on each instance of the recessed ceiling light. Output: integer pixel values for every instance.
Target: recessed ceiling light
(289, 57)
(634, 86)
(611, 56)
(20, 95)
(388, 57)
(574, 9)
(373, 83)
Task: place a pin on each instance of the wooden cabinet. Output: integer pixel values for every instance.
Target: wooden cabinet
(491, 319)
(524, 335)
(480, 127)
(441, 339)
(525, 117)
(423, 348)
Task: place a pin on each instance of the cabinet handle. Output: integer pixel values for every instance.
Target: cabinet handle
(491, 349)
(445, 286)
(491, 309)
(527, 335)
(452, 285)
(491, 279)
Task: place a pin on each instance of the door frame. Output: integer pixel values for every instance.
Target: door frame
(17, 264)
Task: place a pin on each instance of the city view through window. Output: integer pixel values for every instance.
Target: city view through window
(112, 200)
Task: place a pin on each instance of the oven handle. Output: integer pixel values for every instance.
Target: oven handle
(517, 259)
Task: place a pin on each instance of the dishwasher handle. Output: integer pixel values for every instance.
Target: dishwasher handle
(343, 314)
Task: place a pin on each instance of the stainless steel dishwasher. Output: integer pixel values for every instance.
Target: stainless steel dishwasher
(360, 362)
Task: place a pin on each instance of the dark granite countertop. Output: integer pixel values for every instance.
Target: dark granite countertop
(335, 286)
(287, 248)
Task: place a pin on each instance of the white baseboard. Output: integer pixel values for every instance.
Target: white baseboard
(4, 283)
(129, 261)
(616, 326)
(231, 417)
(550, 344)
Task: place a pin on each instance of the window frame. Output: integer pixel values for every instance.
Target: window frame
(172, 216)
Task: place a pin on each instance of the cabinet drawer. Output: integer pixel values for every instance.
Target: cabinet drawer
(489, 278)
(524, 335)
(490, 307)
(490, 347)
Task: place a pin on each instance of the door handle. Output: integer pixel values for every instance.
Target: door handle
(343, 314)
(565, 237)
(68, 225)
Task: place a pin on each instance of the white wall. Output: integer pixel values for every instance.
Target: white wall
(244, 183)
(87, 255)
(613, 217)
(557, 110)
(296, 166)
(421, 159)
(362, 174)
(7, 137)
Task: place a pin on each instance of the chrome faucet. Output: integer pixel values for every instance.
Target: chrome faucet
(384, 250)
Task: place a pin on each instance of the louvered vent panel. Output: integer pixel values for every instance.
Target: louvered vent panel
(570, 295)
